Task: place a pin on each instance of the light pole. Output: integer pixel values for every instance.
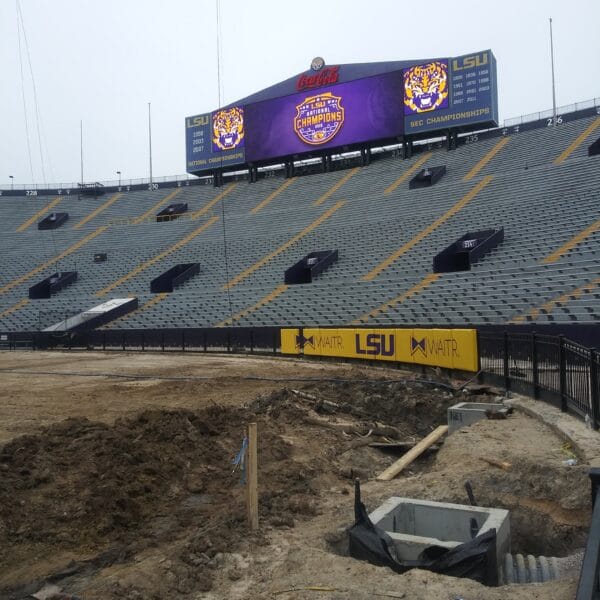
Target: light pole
(12, 182)
(119, 174)
(553, 83)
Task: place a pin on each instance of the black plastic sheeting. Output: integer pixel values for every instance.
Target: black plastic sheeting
(475, 559)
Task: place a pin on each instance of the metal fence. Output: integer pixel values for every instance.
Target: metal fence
(547, 367)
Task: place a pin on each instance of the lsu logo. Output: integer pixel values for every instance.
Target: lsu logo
(470, 62)
(197, 121)
(376, 344)
(319, 118)
(228, 128)
(426, 87)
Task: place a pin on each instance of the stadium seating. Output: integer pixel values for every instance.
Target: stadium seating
(539, 185)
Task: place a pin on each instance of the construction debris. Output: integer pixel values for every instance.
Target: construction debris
(412, 454)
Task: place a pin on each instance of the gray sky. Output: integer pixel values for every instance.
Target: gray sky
(102, 61)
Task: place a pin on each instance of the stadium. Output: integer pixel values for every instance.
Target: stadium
(350, 257)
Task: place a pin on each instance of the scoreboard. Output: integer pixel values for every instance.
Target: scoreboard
(465, 93)
(339, 107)
(332, 117)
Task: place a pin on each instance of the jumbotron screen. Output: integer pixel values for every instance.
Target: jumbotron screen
(346, 105)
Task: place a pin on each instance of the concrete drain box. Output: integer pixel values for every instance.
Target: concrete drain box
(466, 413)
(415, 525)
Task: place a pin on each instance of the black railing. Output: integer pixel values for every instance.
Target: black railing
(220, 339)
(546, 367)
(589, 583)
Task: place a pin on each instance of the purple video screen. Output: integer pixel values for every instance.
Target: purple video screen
(337, 115)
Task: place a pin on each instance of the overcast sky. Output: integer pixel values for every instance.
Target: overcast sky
(102, 61)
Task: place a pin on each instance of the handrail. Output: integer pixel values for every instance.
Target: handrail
(588, 588)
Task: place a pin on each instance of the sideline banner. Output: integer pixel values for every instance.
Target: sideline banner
(447, 348)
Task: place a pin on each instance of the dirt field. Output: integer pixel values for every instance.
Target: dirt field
(122, 487)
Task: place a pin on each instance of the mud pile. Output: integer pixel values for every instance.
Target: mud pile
(412, 405)
(87, 486)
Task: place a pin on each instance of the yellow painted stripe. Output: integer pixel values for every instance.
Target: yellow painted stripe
(96, 212)
(486, 159)
(559, 300)
(15, 307)
(63, 254)
(38, 214)
(570, 244)
(416, 289)
(182, 242)
(406, 174)
(285, 246)
(429, 229)
(202, 211)
(152, 211)
(273, 195)
(577, 142)
(262, 302)
(336, 186)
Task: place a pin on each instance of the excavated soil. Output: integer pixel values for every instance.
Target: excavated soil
(124, 488)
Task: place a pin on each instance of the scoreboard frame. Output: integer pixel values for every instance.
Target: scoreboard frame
(429, 97)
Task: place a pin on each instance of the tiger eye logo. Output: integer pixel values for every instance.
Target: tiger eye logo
(319, 118)
(228, 128)
(426, 87)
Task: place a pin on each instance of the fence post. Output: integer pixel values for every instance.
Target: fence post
(562, 373)
(143, 340)
(33, 345)
(123, 341)
(594, 476)
(162, 341)
(183, 340)
(205, 341)
(252, 341)
(104, 341)
(275, 340)
(505, 361)
(228, 340)
(594, 386)
(534, 365)
(69, 338)
(478, 340)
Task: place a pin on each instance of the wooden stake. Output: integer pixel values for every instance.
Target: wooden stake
(408, 458)
(252, 477)
(502, 464)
